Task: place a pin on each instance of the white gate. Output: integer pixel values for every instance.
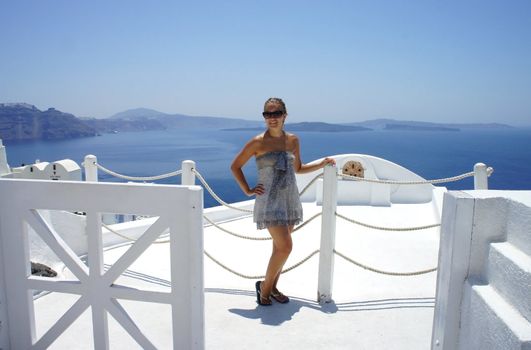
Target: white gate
(179, 210)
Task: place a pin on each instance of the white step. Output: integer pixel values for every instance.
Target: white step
(491, 322)
(509, 272)
(519, 227)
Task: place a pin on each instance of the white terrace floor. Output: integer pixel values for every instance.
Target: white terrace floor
(369, 310)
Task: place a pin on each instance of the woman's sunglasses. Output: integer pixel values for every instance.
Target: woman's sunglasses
(275, 114)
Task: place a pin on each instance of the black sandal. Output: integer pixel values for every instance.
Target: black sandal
(280, 297)
(259, 299)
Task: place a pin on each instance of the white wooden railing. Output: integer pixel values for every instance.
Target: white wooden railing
(179, 209)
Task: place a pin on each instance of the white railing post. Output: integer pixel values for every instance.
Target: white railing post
(328, 235)
(4, 167)
(91, 170)
(100, 323)
(481, 177)
(19, 300)
(4, 341)
(188, 177)
(187, 273)
(457, 222)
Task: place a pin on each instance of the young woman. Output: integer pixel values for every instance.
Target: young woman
(277, 205)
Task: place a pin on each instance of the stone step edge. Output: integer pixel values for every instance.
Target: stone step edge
(514, 254)
(515, 289)
(520, 327)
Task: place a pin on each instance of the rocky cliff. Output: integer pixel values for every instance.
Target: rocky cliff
(20, 121)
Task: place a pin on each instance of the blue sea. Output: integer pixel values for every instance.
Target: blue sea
(431, 154)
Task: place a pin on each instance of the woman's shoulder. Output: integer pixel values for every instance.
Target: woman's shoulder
(255, 141)
(257, 138)
(292, 137)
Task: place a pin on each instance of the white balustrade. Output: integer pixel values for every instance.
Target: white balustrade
(179, 209)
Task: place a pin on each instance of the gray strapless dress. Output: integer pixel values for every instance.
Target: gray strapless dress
(280, 204)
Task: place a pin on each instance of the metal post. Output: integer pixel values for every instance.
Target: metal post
(481, 178)
(91, 170)
(328, 235)
(188, 177)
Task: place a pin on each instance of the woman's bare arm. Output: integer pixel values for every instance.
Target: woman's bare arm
(237, 164)
(301, 168)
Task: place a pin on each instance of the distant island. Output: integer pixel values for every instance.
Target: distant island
(25, 122)
(410, 125)
(407, 127)
(311, 127)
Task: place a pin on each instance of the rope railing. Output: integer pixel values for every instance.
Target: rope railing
(416, 228)
(382, 272)
(129, 238)
(232, 233)
(196, 173)
(261, 276)
(490, 170)
(329, 204)
(137, 178)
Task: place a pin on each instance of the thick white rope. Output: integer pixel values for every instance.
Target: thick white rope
(421, 182)
(234, 233)
(215, 196)
(129, 238)
(386, 228)
(256, 238)
(262, 276)
(307, 221)
(363, 266)
(310, 183)
(138, 178)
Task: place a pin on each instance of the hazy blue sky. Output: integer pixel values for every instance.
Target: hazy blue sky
(336, 61)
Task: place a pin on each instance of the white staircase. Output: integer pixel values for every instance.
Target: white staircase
(483, 296)
(497, 315)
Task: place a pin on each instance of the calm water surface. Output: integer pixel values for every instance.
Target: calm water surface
(429, 154)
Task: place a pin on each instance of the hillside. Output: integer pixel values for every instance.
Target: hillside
(178, 121)
(115, 125)
(19, 121)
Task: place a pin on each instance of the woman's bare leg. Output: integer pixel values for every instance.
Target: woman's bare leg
(282, 246)
(274, 289)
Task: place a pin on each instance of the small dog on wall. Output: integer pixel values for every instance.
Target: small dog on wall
(353, 168)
